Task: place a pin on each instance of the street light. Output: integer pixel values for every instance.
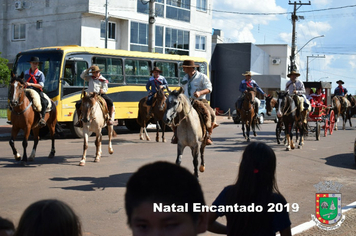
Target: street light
(309, 41)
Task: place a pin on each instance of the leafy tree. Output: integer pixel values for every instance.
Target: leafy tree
(4, 72)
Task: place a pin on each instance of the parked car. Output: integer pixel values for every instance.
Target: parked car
(262, 114)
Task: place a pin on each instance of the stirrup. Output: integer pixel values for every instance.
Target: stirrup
(79, 124)
(174, 140)
(42, 123)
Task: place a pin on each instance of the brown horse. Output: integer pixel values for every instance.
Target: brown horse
(270, 104)
(352, 109)
(248, 116)
(159, 107)
(340, 107)
(24, 117)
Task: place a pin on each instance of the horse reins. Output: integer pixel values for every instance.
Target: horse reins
(185, 116)
(23, 111)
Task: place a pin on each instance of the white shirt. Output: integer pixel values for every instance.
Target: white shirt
(298, 86)
(95, 84)
(198, 82)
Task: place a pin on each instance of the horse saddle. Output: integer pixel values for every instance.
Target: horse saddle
(103, 106)
(204, 114)
(36, 100)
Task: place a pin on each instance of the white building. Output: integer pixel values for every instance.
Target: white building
(182, 26)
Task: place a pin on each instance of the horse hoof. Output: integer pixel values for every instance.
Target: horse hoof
(82, 163)
(202, 168)
(157, 140)
(164, 140)
(111, 151)
(31, 159)
(97, 160)
(51, 155)
(141, 138)
(254, 134)
(23, 163)
(18, 157)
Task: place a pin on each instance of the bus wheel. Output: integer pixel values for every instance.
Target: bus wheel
(76, 131)
(132, 125)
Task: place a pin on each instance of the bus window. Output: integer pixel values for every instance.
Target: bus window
(49, 65)
(169, 71)
(111, 68)
(72, 72)
(137, 71)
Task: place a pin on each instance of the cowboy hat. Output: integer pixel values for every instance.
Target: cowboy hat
(156, 69)
(189, 63)
(293, 73)
(247, 73)
(35, 59)
(94, 69)
(342, 82)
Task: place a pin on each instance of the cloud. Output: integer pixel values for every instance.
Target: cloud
(238, 27)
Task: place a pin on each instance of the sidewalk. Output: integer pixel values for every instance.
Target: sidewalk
(5, 128)
(347, 228)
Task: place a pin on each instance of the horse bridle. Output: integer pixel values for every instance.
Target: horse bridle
(23, 111)
(285, 113)
(185, 115)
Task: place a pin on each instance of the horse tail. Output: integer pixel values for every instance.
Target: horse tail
(256, 124)
(139, 118)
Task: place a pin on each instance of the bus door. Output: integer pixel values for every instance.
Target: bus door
(71, 82)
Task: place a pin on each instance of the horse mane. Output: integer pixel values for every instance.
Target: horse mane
(251, 89)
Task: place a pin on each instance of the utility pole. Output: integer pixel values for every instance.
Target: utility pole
(151, 26)
(308, 63)
(106, 24)
(292, 66)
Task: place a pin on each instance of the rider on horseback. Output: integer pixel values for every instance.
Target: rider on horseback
(196, 85)
(341, 92)
(295, 86)
(154, 83)
(248, 82)
(97, 84)
(34, 79)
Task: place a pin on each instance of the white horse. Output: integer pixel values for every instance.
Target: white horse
(93, 121)
(180, 113)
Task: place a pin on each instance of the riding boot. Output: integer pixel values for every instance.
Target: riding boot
(79, 123)
(174, 138)
(42, 122)
(208, 140)
(110, 119)
(149, 111)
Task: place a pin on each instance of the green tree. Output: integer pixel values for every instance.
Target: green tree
(4, 72)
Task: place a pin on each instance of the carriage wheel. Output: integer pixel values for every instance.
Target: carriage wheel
(332, 122)
(326, 127)
(317, 130)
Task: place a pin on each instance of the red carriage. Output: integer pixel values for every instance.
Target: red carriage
(322, 113)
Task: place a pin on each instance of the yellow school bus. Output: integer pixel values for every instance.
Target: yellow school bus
(126, 71)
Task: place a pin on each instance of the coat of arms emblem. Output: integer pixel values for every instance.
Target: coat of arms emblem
(328, 211)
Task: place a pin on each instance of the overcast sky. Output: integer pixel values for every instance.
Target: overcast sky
(338, 24)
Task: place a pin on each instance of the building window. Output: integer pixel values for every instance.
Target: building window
(39, 24)
(178, 10)
(177, 42)
(111, 30)
(200, 42)
(201, 5)
(47, 3)
(19, 32)
(144, 8)
(139, 37)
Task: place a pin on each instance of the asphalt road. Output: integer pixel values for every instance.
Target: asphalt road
(96, 191)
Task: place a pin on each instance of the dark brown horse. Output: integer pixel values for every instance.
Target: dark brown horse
(159, 107)
(270, 104)
(341, 107)
(352, 109)
(289, 111)
(24, 117)
(248, 115)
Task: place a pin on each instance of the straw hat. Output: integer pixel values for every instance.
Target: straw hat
(293, 73)
(189, 63)
(94, 69)
(247, 73)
